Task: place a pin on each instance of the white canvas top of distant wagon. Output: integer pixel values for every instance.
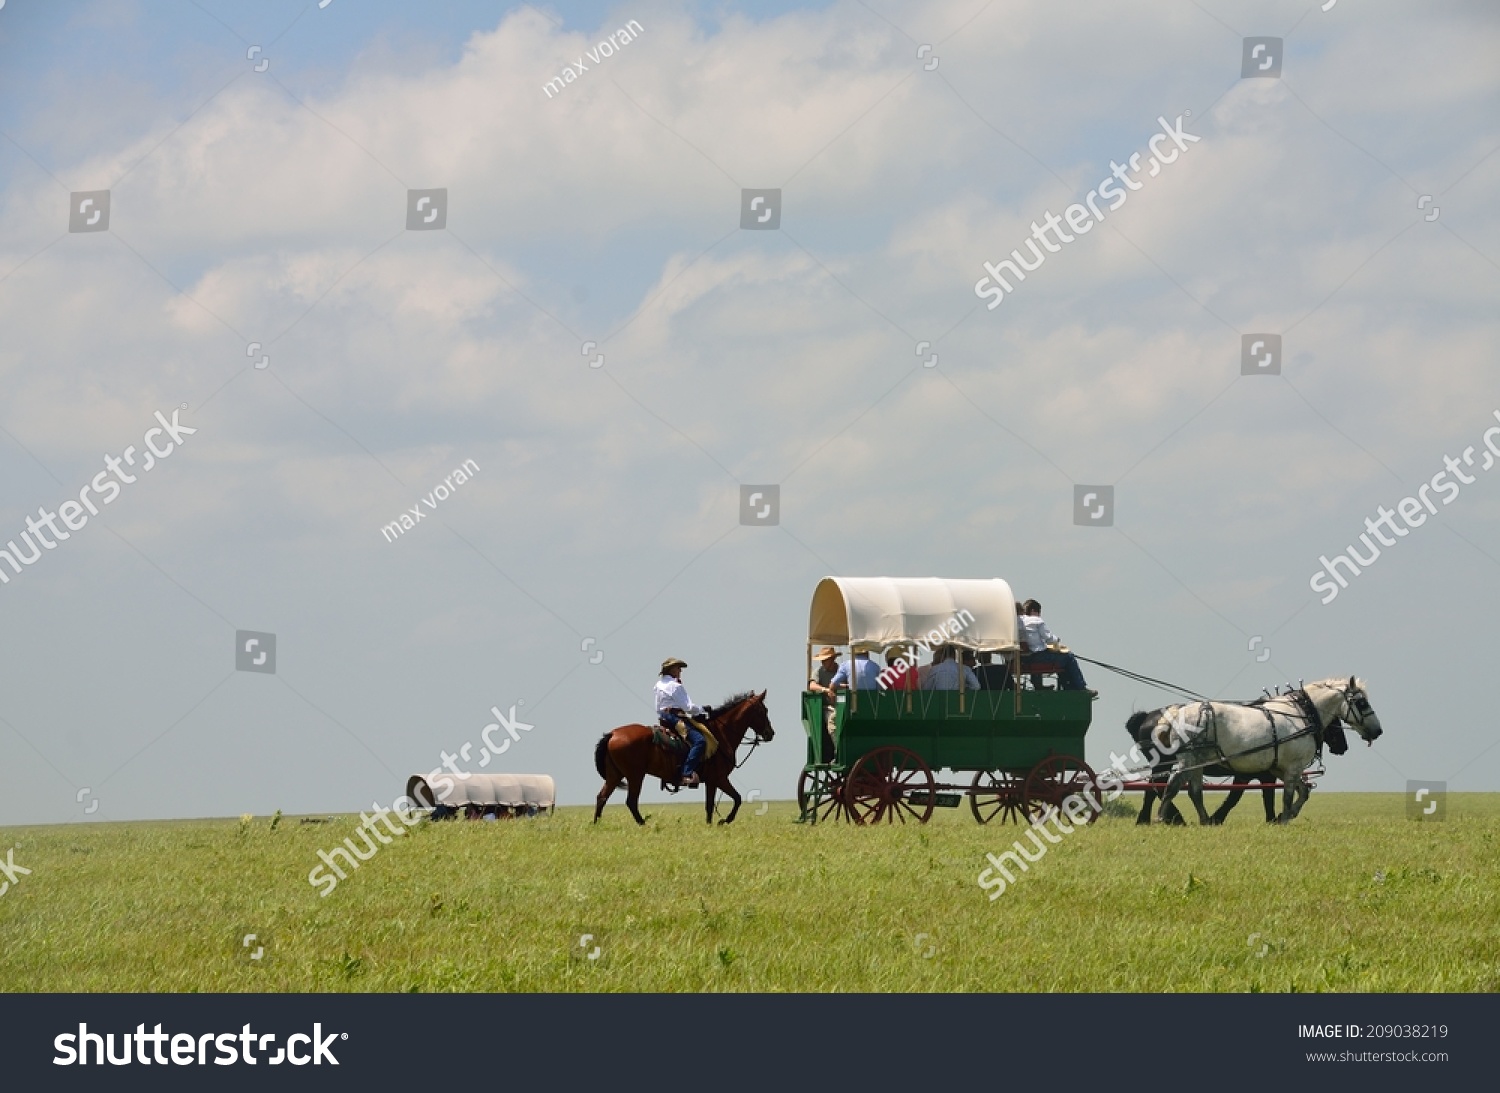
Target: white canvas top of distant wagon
(1025, 747)
(526, 791)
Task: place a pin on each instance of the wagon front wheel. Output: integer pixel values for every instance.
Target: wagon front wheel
(998, 794)
(819, 796)
(889, 785)
(1054, 780)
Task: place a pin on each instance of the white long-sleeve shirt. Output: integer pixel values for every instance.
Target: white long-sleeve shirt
(1034, 633)
(672, 695)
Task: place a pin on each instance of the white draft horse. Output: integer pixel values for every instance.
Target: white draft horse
(1280, 735)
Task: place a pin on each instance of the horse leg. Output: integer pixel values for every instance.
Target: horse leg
(1304, 791)
(633, 795)
(1222, 812)
(612, 780)
(1268, 796)
(1174, 782)
(1151, 795)
(1286, 801)
(610, 785)
(1146, 801)
(708, 800)
(733, 795)
(1195, 794)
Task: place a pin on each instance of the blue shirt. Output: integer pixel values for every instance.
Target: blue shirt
(867, 673)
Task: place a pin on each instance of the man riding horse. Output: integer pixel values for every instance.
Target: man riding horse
(679, 714)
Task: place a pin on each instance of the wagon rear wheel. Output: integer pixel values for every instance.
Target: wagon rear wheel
(1054, 780)
(881, 785)
(998, 795)
(819, 795)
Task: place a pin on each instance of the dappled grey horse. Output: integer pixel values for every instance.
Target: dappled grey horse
(1280, 735)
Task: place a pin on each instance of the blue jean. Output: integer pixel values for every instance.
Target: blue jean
(1071, 676)
(695, 751)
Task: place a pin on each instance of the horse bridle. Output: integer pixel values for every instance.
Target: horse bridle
(757, 742)
(1356, 703)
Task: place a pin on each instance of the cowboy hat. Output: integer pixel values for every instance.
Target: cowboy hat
(670, 663)
(828, 651)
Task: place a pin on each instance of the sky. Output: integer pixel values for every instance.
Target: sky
(587, 322)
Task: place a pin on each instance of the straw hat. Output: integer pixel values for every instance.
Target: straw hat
(828, 652)
(670, 663)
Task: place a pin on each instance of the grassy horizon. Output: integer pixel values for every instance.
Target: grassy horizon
(1350, 897)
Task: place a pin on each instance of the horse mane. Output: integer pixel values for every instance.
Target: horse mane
(736, 699)
(1338, 683)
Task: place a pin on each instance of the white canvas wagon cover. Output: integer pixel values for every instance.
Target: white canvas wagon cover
(875, 612)
(511, 790)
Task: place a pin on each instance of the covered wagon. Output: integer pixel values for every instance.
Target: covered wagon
(484, 794)
(1023, 747)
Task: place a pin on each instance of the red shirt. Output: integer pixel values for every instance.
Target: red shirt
(904, 680)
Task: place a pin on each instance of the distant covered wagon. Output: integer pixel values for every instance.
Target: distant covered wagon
(481, 795)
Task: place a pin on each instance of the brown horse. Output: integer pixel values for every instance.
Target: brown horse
(628, 755)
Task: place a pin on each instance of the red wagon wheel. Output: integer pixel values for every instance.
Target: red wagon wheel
(999, 794)
(820, 795)
(881, 785)
(1054, 780)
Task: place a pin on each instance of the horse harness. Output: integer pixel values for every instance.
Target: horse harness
(1306, 708)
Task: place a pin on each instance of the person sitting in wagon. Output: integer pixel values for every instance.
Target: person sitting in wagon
(943, 674)
(865, 674)
(680, 714)
(992, 676)
(1041, 643)
(900, 669)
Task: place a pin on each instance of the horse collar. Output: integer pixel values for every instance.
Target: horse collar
(1311, 714)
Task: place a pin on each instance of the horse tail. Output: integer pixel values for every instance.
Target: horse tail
(601, 754)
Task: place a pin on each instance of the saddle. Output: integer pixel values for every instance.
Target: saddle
(669, 740)
(673, 738)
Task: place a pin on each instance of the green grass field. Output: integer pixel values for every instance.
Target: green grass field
(1351, 897)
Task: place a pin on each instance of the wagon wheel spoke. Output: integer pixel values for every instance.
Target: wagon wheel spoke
(1054, 780)
(879, 787)
(996, 794)
(818, 795)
